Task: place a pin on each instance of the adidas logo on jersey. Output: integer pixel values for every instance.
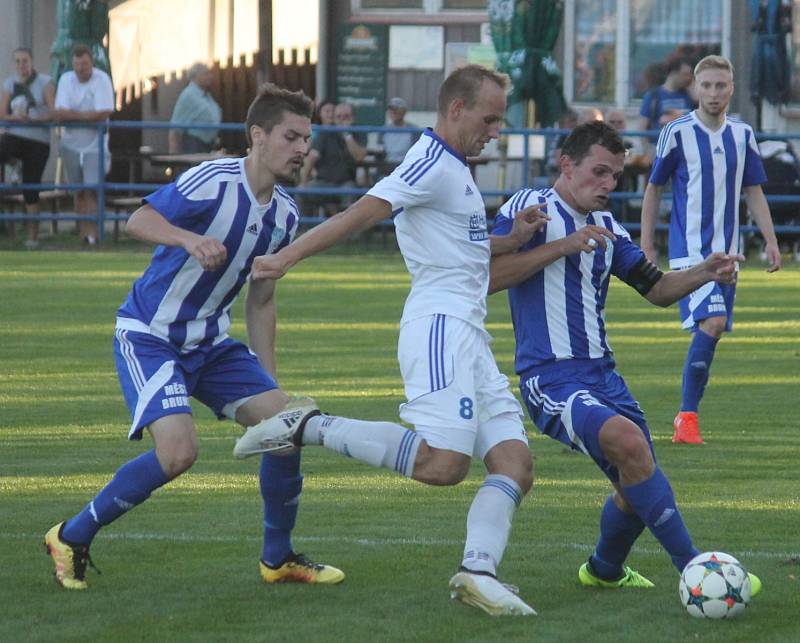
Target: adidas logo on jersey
(252, 229)
(467, 191)
(718, 150)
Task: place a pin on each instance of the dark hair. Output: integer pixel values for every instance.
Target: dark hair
(81, 50)
(319, 106)
(270, 103)
(675, 64)
(579, 142)
(465, 83)
(24, 50)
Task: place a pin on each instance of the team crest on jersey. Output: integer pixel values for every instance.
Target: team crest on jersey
(477, 226)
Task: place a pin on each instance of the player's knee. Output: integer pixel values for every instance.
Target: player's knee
(177, 456)
(512, 458)
(714, 326)
(439, 467)
(624, 444)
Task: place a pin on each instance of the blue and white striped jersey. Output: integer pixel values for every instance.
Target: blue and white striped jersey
(441, 230)
(175, 299)
(559, 313)
(708, 170)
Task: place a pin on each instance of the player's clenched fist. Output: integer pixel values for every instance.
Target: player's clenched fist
(723, 267)
(210, 253)
(270, 266)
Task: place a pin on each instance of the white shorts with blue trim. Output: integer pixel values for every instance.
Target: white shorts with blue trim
(457, 398)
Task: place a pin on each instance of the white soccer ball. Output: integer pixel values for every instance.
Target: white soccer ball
(714, 585)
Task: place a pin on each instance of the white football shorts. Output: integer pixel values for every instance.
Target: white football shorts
(457, 398)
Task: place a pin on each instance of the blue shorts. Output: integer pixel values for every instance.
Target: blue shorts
(570, 401)
(710, 300)
(157, 379)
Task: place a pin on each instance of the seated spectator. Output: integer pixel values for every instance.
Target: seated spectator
(332, 161)
(26, 97)
(195, 105)
(323, 115)
(84, 94)
(396, 144)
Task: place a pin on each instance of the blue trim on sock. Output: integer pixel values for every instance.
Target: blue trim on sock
(504, 484)
(696, 370)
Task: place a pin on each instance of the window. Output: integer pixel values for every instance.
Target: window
(614, 50)
(795, 97)
(391, 4)
(595, 37)
(661, 31)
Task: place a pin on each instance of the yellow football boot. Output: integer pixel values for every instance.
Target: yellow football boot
(299, 569)
(70, 560)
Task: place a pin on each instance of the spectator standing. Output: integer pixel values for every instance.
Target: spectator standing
(27, 96)
(333, 158)
(84, 94)
(195, 105)
(665, 103)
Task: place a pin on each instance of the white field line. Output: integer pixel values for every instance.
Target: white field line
(380, 542)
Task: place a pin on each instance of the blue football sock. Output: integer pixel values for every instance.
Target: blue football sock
(281, 484)
(618, 532)
(655, 503)
(696, 370)
(131, 485)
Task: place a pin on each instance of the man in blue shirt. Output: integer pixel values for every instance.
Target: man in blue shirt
(558, 284)
(172, 340)
(195, 105)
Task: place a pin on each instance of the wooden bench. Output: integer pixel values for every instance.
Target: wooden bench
(126, 204)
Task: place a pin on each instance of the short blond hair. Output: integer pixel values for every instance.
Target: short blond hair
(713, 62)
(465, 83)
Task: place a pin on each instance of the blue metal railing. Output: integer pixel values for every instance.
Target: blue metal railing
(103, 187)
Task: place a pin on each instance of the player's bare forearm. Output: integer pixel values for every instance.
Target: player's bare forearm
(146, 224)
(759, 208)
(364, 214)
(511, 269)
(261, 319)
(650, 205)
(527, 222)
(676, 284)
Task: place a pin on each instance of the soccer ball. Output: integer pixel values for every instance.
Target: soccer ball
(714, 585)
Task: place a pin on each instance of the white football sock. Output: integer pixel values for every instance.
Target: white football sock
(381, 444)
(489, 523)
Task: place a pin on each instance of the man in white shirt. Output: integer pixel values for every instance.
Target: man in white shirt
(85, 95)
(458, 401)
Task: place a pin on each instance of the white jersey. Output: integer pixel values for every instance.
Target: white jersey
(95, 95)
(440, 219)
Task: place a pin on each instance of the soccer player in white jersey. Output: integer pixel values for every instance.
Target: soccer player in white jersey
(458, 401)
(710, 159)
(172, 339)
(558, 284)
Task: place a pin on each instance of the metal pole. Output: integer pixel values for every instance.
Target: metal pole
(101, 183)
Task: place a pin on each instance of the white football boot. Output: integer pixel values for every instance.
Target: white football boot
(281, 432)
(484, 591)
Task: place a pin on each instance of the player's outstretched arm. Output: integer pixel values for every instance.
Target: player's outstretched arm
(363, 214)
(509, 270)
(527, 222)
(759, 208)
(675, 284)
(147, 224)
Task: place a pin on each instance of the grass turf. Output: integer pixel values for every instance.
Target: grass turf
(184, 565)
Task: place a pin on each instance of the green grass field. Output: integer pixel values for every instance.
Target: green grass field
(183, 566)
